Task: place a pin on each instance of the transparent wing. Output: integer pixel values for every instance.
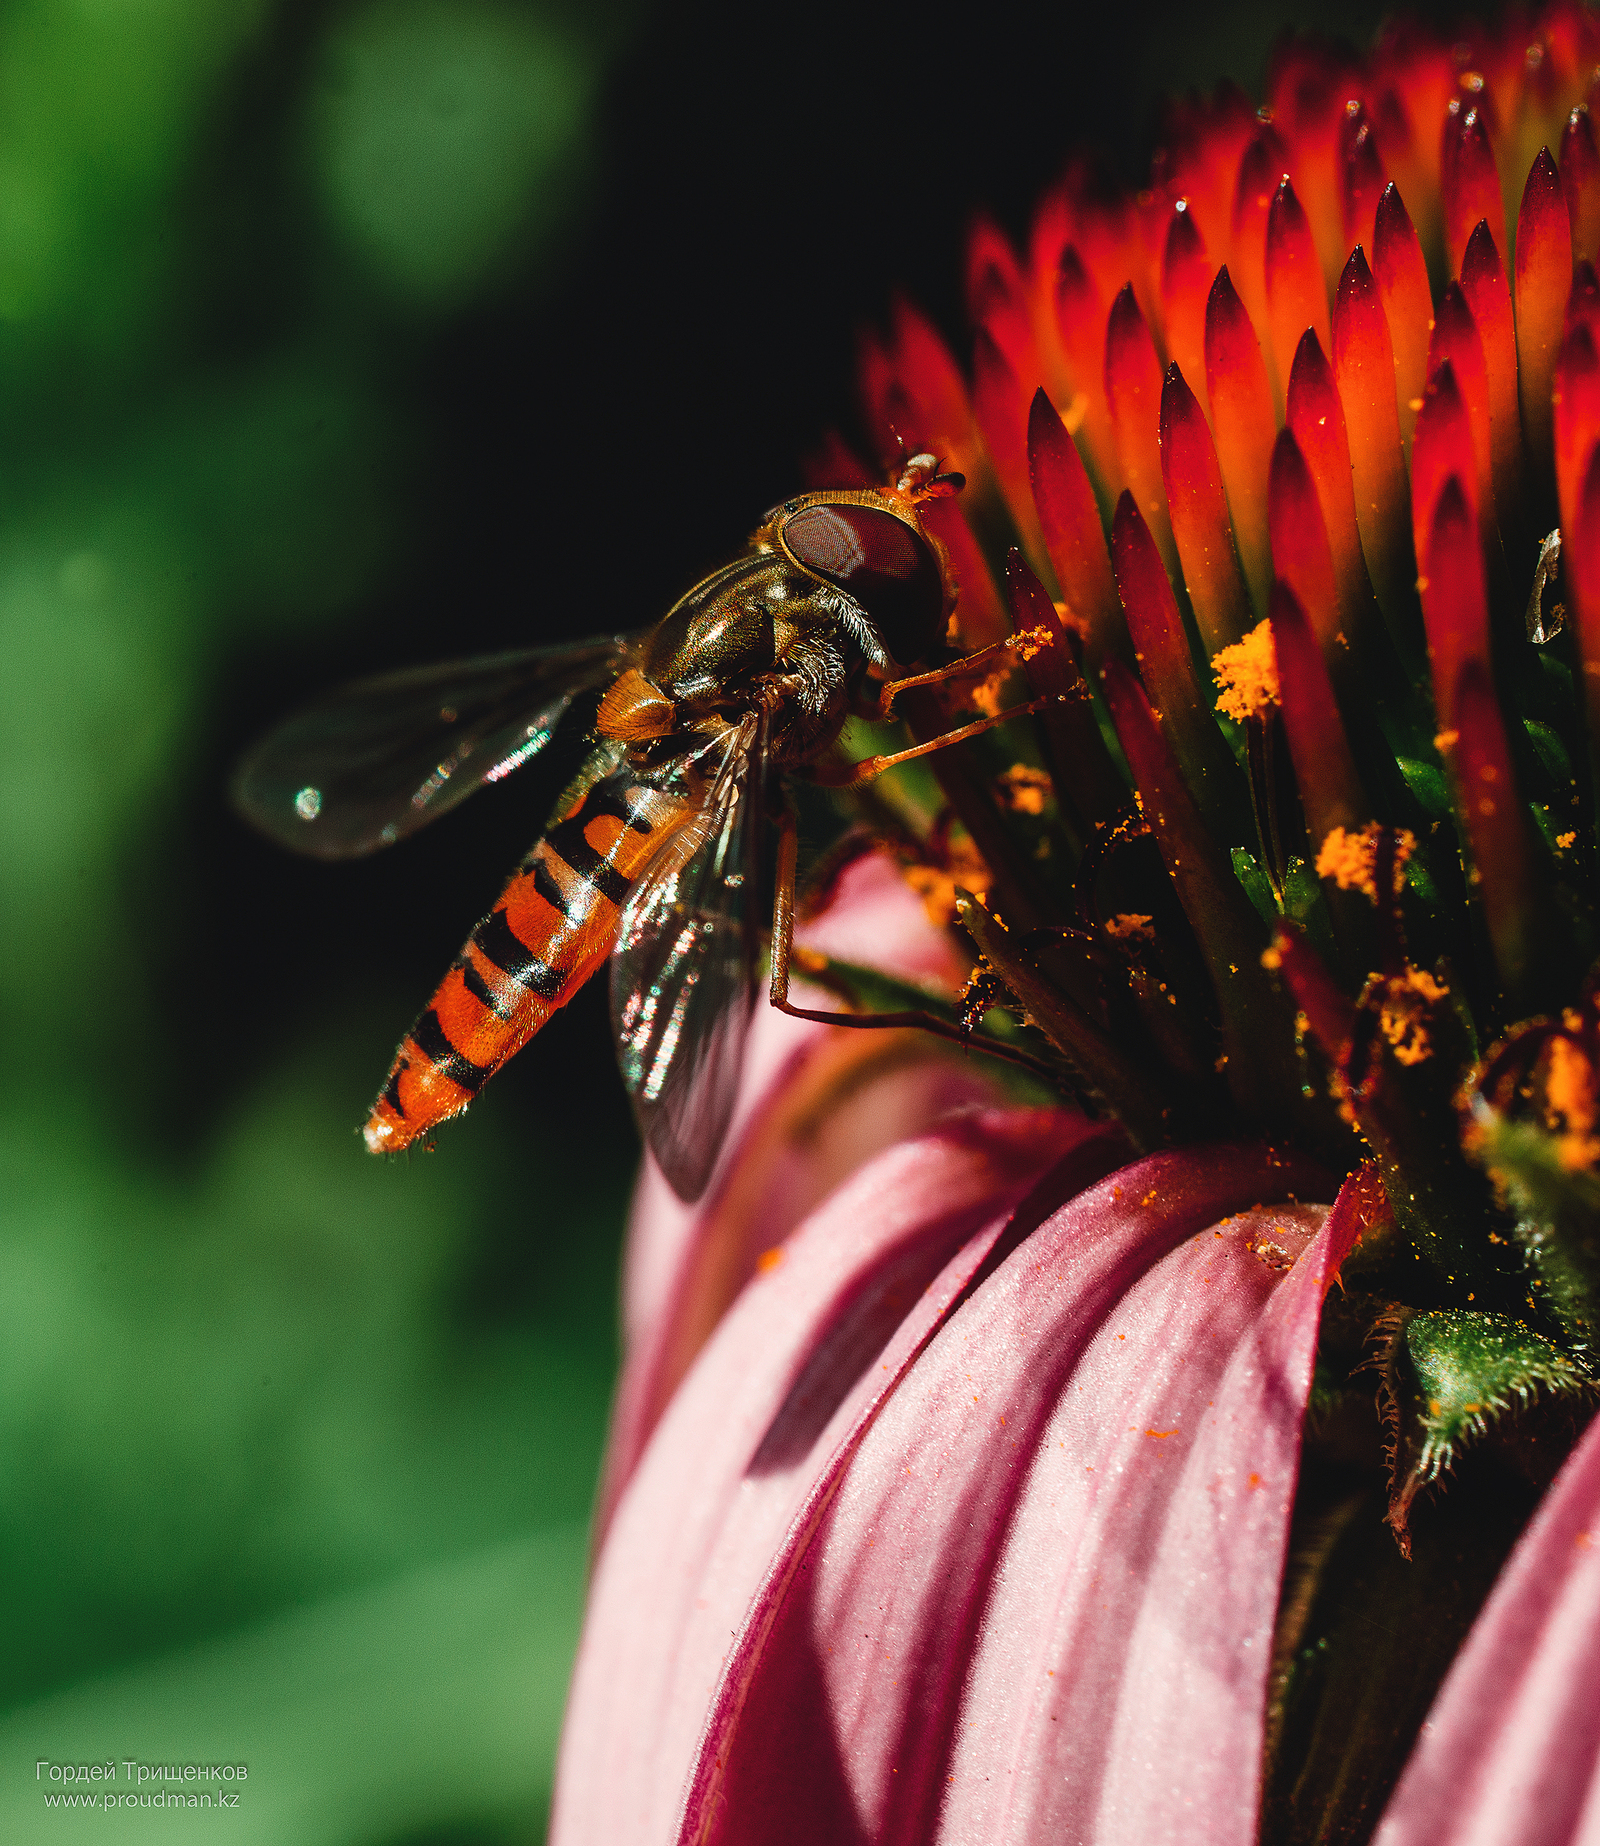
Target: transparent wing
(683, 977)
(370, 763)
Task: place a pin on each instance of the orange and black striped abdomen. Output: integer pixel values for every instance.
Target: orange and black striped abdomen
(553, 927)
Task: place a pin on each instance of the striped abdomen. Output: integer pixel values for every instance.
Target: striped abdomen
(553, 927)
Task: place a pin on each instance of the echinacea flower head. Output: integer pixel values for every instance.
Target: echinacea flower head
(1012, 1473)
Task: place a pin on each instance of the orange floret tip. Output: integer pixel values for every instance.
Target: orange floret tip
(1330, 787)
(1133, 393)
(1080, 314)
(1583, 300)
(1456, 340)
(1454, 597)
(1402, 278)
(1488, 298)
(1329, 1016)
(1577, 419)
(1317, 418)
(1486, 793)
(1580, 184)
(1245, 424)
(1296, 295)
(1543, 267)
(1261, 167)
(1300, 547)
(1161, 647)
(997, 297)
(1468, 178)
(1186, 276)
(1070, 522)
(1001, 407)
(1581, 567)
(1362, 173)
(1443, 447)
(1363, 364)
(1200, 523)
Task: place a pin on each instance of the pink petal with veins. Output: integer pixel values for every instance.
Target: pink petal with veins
(786, 1382)
(816, 1102)
(1022, 1585)
(1510, 1753)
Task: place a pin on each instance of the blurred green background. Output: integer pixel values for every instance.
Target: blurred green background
(330, 338)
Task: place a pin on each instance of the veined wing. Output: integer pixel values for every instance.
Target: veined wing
(370, 763)
(683, 973)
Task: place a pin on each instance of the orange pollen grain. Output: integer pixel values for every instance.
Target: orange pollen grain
(1129, 925)
(1350, 859)
(1025, 790)
(1247, 675)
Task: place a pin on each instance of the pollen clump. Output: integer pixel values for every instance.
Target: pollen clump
(1350, 859)
(1129, 926)
(1403, 1016)
(1569, 1091)
(936, 885)
(1247, 675)
(1025, 790)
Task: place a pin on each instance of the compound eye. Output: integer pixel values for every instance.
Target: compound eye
(880, 561)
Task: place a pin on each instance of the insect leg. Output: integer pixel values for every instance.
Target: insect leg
(953, 669)
(783, 955)
(871, 766)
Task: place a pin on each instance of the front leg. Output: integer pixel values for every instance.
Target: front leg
(783, 902)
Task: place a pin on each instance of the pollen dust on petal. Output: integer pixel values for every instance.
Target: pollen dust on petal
(769, 1260)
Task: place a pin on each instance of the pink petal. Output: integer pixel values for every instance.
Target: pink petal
(816, 1102)
(787, 1381)
(1040, 1603)
(910, 1619)
(1510, 1753)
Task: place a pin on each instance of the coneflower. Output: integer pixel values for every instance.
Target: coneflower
(991, 1507)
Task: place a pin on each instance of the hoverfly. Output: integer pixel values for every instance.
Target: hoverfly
(652, 855)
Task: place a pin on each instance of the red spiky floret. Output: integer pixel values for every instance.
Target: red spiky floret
(1364, 373)
(1443, 448)
(1200, 524)
(1300, 548)
(1330, 784)
(1488, 296)
(1001, 406)
(1317, 419)
(1543, 273)
(1161, 647)
(1186, 274)
(1080, 316)
(1580, 182)
(1242, 417)
(1402, 278)
(1456, 341)
(1073, 536)
(1470, 182)
(1296, 296)
(1262, 166)
(1363, 173)
(1133, 391)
